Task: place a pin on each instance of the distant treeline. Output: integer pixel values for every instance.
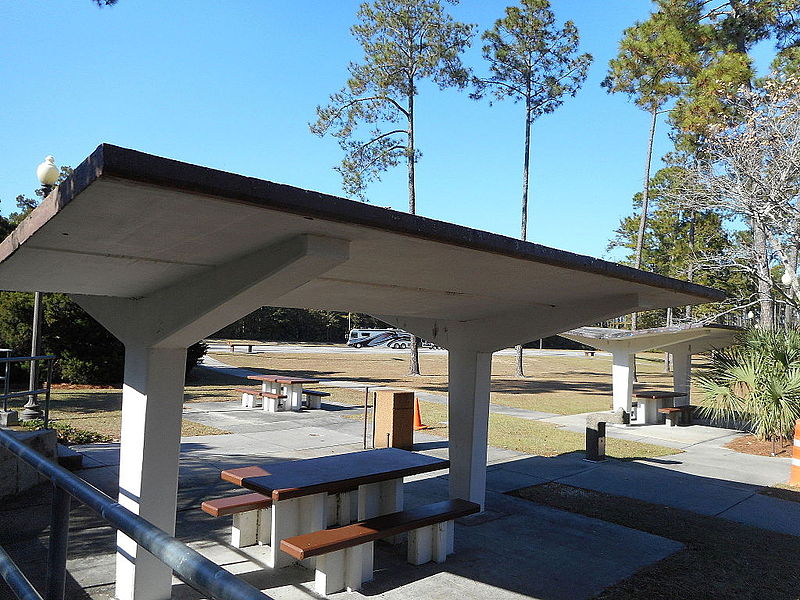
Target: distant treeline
(299, 325)
(296, 325)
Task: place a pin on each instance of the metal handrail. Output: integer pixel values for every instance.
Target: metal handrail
(33, 393)
(188, 565)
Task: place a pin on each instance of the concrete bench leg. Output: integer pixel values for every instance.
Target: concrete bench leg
(672, 419)
(381, 499)
(340, 508)
(337, 571)
(295, 517)
(245, 529)
(251, 401)
(432, 543)
(271, 404)
(314, 401)
(251, 527)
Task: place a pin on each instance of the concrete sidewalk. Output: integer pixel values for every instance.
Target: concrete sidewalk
(515, 549)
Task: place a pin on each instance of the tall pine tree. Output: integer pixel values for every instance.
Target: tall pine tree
(535, 62)
(404, 42)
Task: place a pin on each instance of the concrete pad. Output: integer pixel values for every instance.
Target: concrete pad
(540, 547)
(731, 466)
(768, 513)
(303, 439)
(99, 454)
(661, 486)
(549, 468)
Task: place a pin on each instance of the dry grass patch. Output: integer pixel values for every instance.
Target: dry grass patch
(722, 559)
(556, 384)
(513, 433)
(783, 491)
(100, 410)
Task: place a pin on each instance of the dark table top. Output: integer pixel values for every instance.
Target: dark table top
(335, 473)
(282, 379)
(656, 394)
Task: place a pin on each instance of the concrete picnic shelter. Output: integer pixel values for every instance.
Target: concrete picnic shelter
(682, 341)
(163, 253)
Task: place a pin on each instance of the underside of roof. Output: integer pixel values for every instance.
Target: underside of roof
(701, 337)
(128, 224)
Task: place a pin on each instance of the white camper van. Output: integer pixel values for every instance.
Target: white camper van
(362, 338)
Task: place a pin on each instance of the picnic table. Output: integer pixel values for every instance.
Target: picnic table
(299, 489)
(650, 401)
(293, 385)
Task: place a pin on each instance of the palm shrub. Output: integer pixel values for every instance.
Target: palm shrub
(756, 380)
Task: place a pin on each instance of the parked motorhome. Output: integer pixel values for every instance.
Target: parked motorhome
(361, 338)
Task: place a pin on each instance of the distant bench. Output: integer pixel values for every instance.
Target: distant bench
(678, 415)
(232, 346)
(314, 398)
(341, 551)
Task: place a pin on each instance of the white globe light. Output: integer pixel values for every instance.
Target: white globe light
(48, 172)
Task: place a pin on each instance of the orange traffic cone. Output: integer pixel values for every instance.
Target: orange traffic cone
(794, 474)
(418, 419)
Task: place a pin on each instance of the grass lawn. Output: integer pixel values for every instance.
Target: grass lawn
(556, 384)
(722, 559)
(100, 410)
(521, 435)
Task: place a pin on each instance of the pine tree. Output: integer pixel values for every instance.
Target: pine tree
(533, 61)
(404, 42)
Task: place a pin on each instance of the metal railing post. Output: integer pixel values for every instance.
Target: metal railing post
(47, 392)
(57, 552)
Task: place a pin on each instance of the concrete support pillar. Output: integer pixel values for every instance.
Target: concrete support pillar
(468, 414)
(622, 379)
(152, 405)
(682, 373)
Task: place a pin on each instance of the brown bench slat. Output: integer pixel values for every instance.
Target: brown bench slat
(236, 504)
(330, 540)
(258, 392)
(670, 409)
(316, 393)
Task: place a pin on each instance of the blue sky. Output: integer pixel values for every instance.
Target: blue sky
(232, 85)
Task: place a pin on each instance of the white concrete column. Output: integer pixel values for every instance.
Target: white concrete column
(682, 373)
(622, 379)
(152, 405)
(469, 375)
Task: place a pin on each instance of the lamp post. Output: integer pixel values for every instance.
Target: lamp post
(47, 173)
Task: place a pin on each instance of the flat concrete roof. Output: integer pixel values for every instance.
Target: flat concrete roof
(701, 336)
(128, 223)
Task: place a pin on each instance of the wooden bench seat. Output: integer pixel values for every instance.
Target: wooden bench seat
(252, 520)
(343, 553)
(314, 397)
(253, 397)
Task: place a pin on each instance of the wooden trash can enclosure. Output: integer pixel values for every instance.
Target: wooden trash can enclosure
(394, 417)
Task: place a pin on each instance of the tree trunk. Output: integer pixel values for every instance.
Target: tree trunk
(524, 225)
(763, 276)
(637, 261)
(667, 355)
(413, 351)
(788, 311)
(690, 266)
